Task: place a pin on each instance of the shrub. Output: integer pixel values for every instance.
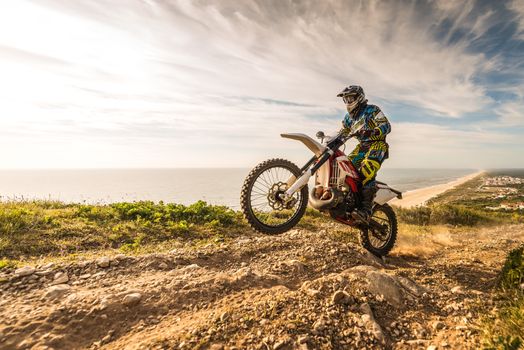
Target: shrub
(457, 215)
(415, 216)
(5, 263)
(197, 213)
(94, 212)
(16, 219)
(512, 275)
(444, 214)
(504, 329)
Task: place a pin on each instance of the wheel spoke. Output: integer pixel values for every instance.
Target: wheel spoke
(269, 211)
(377, 239)
(263, 179)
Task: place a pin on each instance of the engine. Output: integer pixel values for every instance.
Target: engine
(345, 207)
(338, 201)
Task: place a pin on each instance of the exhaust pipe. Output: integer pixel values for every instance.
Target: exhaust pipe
(323, 204)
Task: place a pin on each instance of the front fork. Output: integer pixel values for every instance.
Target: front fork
(297, 184)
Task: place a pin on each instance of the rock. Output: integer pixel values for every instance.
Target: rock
(363, 269)
(416, 342)
(48, 266)
(369, 321)
(280, 344)
(373, 260)
(216, 346)
(303, 339)
(24, 271)
(106, 339)
(438, 325)
(57, 291)
(411, 286)
(103, 262)
(366, 309)
(457, 290)
(431, 347)
(296, 265)
(43, 272)
(84, 264)
(243, 241)
(319, 326)
(340, 297)
(385, 285)
(294, 233)
(97, 275)
(132, 299)
(60, 278)
(163, 266)
(224, 316)
(120, 256)
(103, 304)
(191, 267)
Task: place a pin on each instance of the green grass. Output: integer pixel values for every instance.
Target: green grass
(38, 229)
(504, 329)
(34, 228)
(454, 214)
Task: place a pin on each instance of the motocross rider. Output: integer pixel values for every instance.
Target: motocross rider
(372, 149)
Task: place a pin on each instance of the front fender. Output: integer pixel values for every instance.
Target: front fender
(313, 145)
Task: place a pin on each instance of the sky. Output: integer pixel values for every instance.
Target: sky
(117, 84)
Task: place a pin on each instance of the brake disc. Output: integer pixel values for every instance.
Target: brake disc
(275, 200)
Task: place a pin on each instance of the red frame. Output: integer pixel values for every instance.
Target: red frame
(350, 181)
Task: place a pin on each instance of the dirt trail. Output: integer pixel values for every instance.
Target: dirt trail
(300, 290)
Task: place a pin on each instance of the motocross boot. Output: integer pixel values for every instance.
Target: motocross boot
(364, 213)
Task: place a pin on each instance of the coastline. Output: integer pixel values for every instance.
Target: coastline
(420, 196)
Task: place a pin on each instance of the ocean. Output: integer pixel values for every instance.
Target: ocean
(185, 186)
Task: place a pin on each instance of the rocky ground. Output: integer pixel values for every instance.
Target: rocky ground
(299, 290)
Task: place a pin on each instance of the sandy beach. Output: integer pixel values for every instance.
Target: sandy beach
(422, 195)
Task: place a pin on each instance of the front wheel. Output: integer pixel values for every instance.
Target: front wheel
(261, 198)
(380, 240)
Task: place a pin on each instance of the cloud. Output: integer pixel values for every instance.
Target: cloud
(300, 51)
(230, 76)
(435, 146)
(511, 113)
(518, 7)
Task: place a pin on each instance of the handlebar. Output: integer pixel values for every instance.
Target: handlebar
(338, 140)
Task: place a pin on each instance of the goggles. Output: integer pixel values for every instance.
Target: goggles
(349, 99)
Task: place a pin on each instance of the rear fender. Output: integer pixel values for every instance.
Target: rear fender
(386, 193)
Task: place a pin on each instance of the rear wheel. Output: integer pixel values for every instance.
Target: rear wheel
(380, 237)
(262, 201)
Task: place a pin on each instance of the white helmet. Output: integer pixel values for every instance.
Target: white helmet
(352, 96)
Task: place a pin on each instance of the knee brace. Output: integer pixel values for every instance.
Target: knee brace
(368, 169)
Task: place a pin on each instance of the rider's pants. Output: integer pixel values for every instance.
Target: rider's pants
(367, 157)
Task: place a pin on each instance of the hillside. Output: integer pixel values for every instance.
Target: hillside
(230, 288)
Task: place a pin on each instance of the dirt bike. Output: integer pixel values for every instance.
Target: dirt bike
(275, 193)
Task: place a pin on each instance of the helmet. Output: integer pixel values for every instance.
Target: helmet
(352, 96)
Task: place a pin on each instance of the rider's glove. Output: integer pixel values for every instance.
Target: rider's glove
(344, 131)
